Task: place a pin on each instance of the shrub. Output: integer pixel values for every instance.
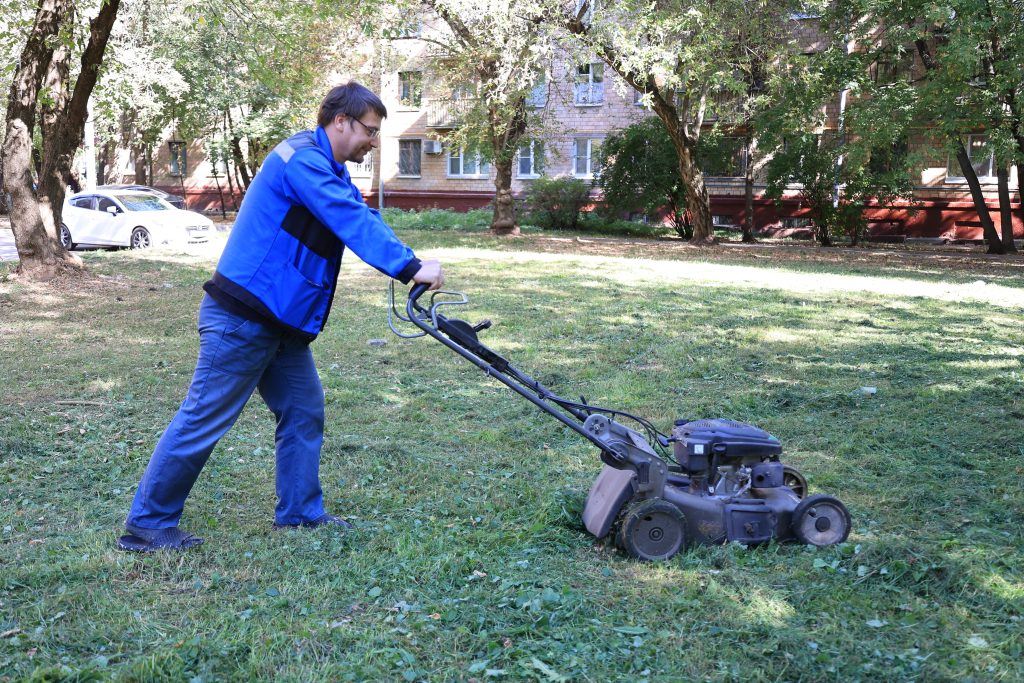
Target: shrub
(640, 174)
(556, 203)
(474, 220)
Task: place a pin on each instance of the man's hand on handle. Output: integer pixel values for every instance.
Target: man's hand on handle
(430, 273)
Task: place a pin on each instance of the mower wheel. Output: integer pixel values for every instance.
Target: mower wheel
(821, 520)
(797, 483)
(652, 529)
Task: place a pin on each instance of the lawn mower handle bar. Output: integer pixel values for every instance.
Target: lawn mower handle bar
(484, 358)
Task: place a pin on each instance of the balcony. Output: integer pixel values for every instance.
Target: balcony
(447, 113)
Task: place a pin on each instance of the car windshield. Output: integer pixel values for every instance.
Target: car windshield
(143, 202)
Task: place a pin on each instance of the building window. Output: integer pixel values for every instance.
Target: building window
(724, 158)
(980, 155)
(409, 155)
(888, 158)
(467, 165)
(638, 99)
(410, 28)
(364, 169)
(410, 88)
(531, 160)
(538, 96)
(893, 65)
(178, 158)
(464, 91)
(590, 84)
(588, 16)
(584, 156)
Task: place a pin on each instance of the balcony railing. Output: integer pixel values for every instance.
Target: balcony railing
(447, 113)
(722, 106)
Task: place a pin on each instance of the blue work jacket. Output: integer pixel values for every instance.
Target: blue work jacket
(282, 259)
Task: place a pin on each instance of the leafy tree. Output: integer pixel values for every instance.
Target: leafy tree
(837, 189)
(255, 74)
(640, 172)
(972, 52)
(839, 167)
(140, 89)
(683, 55)
(500, 48)
(46, 91)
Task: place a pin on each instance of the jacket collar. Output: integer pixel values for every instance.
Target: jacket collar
(325, 145)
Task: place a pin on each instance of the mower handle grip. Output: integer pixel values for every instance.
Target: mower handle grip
(417, 291)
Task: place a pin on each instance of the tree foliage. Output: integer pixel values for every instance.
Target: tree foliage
(686, 57)
(640, 173)
(971, 79)
(492, 54)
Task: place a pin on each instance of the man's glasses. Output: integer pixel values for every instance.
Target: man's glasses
(372, 132)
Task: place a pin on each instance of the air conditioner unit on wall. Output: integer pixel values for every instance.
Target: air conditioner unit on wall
(432, 146)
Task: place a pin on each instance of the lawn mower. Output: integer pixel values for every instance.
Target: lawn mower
(722, 481)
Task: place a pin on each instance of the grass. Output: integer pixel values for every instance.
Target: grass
(469, 561)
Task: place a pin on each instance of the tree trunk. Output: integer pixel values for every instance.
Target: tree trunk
(63, 127)
(748, 191)
(227, 168)
(41, 254)
(696, 197)
(1005, 215)
(504, 220)
(822, 234)
(139, 159)
(995, 245)
(104, 162)
(236, 151)
(505, 137)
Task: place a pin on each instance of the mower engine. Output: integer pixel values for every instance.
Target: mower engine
(728, 484)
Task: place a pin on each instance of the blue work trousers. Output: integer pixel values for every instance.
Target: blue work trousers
(237, 356)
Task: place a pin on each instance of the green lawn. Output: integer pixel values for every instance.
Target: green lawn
(469, 561)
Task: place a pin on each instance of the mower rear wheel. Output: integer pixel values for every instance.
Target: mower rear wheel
(792, 478)
(653, 529)
(821, 520)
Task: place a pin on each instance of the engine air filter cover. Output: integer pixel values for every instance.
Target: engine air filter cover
(726, 437)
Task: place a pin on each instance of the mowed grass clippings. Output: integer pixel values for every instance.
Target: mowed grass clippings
(898, 390)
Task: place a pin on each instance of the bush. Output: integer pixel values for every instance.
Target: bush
(556, 203)
(640, 174)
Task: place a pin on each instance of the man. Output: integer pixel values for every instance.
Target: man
(268, 299)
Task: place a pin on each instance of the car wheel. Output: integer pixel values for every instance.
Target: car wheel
(141, 238)
(65, 238)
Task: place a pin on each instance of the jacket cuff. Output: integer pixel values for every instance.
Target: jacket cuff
(411, 268)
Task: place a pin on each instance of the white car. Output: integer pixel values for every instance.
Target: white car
(127, 218)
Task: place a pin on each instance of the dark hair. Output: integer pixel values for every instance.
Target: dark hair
(351, 99)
